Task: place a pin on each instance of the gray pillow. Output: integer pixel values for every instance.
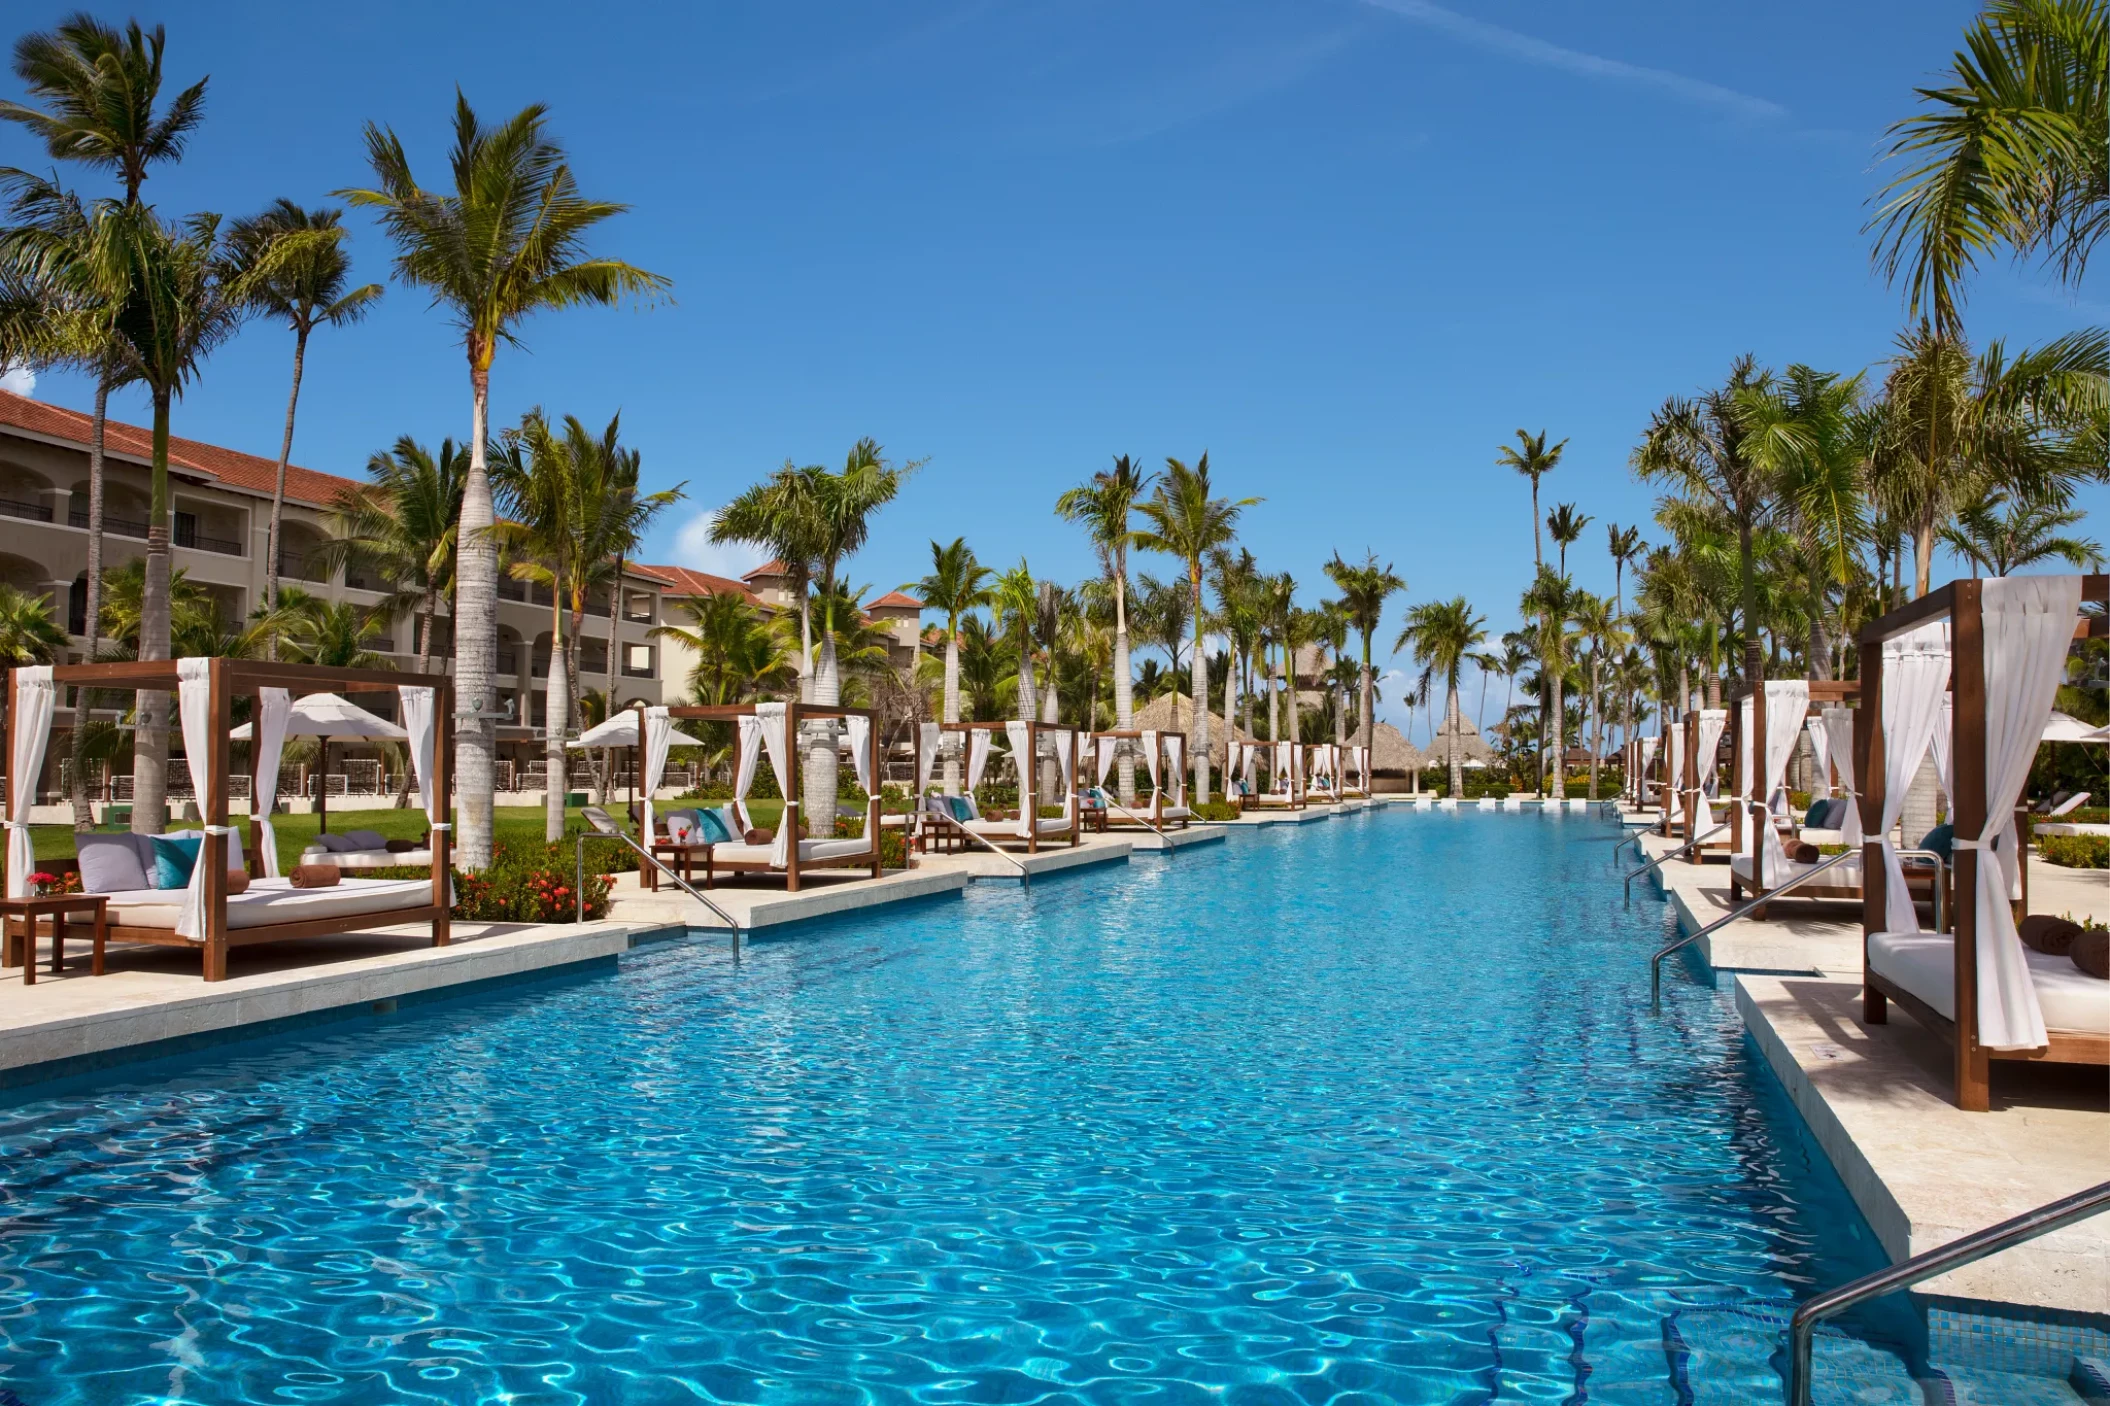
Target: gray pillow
(111, 863)
(365, 839)
(336, 844)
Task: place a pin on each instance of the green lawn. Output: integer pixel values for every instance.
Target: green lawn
(521, 825)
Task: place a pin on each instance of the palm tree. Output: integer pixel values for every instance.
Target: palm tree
(1552, 599)
(1235, 576)
(400, 528)
(957, 583)
(1015, 597)
(1534, 460)
(2001, 534)
(845, 503)
(781, 515)
(628, 513)
(1565, 526)
(1443, 635)
(1625, 546)
(738, 656)
(98, 87)
(1163, 611)
(302, 271)
(1703, 448)
(2014, 152)
(1816, 441)
(1106, 507)
(1331, 625)
(28, 633)
(509, 241)
(183, 296)
(1364, 590)
(335, 634)
(1598, 622)
(1187, 522)
(570, 519)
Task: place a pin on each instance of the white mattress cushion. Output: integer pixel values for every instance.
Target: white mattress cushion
(808, 849)
(1924, 963)
(275, 901)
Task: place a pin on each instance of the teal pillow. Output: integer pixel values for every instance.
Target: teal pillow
(1815, 819)
(715, 829)
(173, 860)
(962, 807)
(1941, 840)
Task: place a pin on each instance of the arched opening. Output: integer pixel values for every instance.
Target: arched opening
(24, 493)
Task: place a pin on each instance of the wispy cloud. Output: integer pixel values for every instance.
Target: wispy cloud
(1495, 38)
(19, 379)
(699, 553)
(1229, 79)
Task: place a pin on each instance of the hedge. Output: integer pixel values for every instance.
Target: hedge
(2075, 851)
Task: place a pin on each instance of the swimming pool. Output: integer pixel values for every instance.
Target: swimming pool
(1371, 1110)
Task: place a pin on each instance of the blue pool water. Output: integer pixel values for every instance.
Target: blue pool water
(1373, 1110)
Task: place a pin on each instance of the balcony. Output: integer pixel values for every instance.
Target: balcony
(187, 535)
(35, 512)
(508, 662)
(122, 527)
(509, 589)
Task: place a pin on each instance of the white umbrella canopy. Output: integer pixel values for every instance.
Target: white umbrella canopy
(331, 715)
(328, 716)
(2064, 727)
(621, 731)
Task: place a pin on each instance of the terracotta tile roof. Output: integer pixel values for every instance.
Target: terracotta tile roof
(771, 567)
(681, 581)
(227, 467)
(894, 600)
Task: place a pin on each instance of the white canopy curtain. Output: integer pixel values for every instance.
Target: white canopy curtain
(1915, 674)
(979, 742)
(1820, 754)
(1839, 732)
(1283, 780)
(194, 703)
(1712, 721)
(769, 721)
(36, 698)
(1106, 748)
(749, 731)
(860, 730)
(419, 722)
(1066, 760)
(1648, 752)
(1744, 714)
(1176, 773)
(274, 707)
(659, 736)
(1020, 735)
(1150, 757)
(1674, 769)
(927, 739)
(2028, 630)
(1786, 702)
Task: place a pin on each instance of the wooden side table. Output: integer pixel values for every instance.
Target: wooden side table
(18, 923)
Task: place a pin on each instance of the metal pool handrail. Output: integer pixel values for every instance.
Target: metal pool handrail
(1661, 860)
(1954, 1255)
(1655, 965)
(1025, 875)
(1167, 851)
(598, 819)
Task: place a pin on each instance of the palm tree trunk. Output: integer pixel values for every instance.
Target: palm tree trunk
(150, 740)
(553, 706)
(1923, 556)
(1296, 732)
(1365, 722)
(822, 760)
(1198, 669)
(1124, 689)
(278, 490)
(1596, 718)
(83, 812)
(605, 764)
(1560, 736)
(475, 641)
(951, 704)
(1453, 725)
(1538, 550)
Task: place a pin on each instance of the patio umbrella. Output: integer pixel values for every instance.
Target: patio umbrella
(326, 716)
(2064, 727)
(621, 731)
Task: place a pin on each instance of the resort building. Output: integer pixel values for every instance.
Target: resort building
(220, 520)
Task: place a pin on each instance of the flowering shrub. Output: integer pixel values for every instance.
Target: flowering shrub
(47, 883)
(2075, 851)
(525, 884)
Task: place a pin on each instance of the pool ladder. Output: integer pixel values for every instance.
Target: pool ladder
(1025, 875)
(603, 825)
(1940, 1260)
(1662, 860)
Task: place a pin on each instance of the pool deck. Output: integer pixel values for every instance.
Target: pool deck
(152, 996)
(1147, 843)
(1876, 1098)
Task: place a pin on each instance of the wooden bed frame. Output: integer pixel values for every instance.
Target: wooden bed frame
(1962, 604)
(1028, 798)
(242, 677)
(794, 714)
(1821, 691)
(1156, 813)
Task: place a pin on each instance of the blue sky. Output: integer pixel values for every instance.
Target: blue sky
(1346, 246)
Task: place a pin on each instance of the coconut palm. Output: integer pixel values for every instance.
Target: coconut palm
(1364, 588)
(2014, 153)
(1552, 599)
(957, 583)
(628, 513)
(335, 634)
(302, 278)
(1565, 526)
(1015, 595)
(1532, 458)
(28, 633)
(1105, 507)
(2000, 534)
(400, 528)
(739, 658)
(1331, 626)
(1443, 635)
(509, 241)
(1235, 577)
(98, 87)
(1185, 520)
(1597, 621)
(1163, 612)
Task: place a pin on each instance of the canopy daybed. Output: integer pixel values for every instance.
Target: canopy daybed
(1162, 753)
(1355, 761)
(1029, 827)
(1769, 723)
(1670, 784)
(1699, 784)
(203, 916)
(2003, 642)
(772, 730)
(1285, 778)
